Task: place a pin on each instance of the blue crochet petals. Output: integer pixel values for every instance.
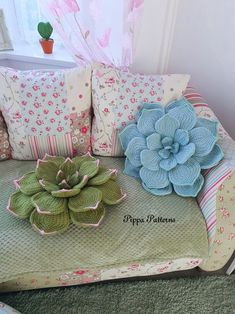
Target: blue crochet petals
(159, 192)
(175, 148)
(186, 116)
(168, 164)
(154, 179)
(212, 159)
(166, 148)
(185, 153)
(127, 134)
(154, 105)
(167, 141)
(177, 103)
(130, 170)
(181, 137)
(203, 139)
(147, 120)
(185, 174)
(190, 190)
(164, 153)
(210, 125)
(167, 125)
(134, 148)
(150, 159)
(154, 141)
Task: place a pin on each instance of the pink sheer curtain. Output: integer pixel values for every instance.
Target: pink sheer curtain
(95, 30)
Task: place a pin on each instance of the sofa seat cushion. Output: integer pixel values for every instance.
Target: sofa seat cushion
(135, 231)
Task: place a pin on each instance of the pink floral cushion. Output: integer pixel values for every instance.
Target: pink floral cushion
(117, 96)
(5, 150)
(46, 111)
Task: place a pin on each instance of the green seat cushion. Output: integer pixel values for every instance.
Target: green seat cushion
(114, 243)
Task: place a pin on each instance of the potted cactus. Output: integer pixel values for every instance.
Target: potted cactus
(45, 30)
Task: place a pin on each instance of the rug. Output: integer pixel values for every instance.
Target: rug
(207, 295)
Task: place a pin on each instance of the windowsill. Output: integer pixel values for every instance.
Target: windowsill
(34, 54)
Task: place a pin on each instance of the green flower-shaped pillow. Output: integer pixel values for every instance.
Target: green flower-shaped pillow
(62, 190)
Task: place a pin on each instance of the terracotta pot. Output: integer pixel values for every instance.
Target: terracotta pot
(47, 45)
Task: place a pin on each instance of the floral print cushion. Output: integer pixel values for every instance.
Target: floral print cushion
(117, 96)
(5, 150)
(46, 111)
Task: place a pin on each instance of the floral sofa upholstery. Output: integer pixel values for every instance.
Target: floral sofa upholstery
(216, 218)
(216, 199)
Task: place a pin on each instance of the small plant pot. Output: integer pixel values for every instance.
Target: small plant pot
(47, 45)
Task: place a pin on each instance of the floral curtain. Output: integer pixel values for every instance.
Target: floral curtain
(96, 30)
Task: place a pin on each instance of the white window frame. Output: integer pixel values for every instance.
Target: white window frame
(23, 50)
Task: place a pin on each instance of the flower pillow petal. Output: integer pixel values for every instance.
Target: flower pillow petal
(166, 148)
(46, 111)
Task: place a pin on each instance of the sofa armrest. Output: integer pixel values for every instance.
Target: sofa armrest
(221, 224)
(217, 198)
(214, 180)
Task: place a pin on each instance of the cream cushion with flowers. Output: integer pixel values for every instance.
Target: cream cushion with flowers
(117, 96)
(46, 111)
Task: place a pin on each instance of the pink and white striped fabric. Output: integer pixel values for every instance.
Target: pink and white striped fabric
(216, 176)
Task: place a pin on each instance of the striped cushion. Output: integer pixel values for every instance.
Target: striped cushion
(46, 111)
(216, 176)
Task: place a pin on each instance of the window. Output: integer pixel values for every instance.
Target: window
(22, 18)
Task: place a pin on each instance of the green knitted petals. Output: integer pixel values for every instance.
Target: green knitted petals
(64, 185)
(88, 218)
(68, 167)
(47, 170)
(48, 186)
(65, 193)
(111, 192)
(102, 176)
(78, 160)
(28, 184)
(57, 160)
(20, 205)
(63, 188)
(45, 203)
(74, 179)
(60, 176)
(89, 198)
(50, 224)
(89, 168)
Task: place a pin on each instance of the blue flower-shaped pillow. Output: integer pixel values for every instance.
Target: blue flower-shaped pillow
(168, 147)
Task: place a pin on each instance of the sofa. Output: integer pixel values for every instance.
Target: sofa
(143, 236)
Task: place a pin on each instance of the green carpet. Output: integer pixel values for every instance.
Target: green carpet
(202, 295)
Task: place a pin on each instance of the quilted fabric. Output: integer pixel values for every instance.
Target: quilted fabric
(46, 111)
(114, 243)
(5, 150)
(117, 96)
(168, 147)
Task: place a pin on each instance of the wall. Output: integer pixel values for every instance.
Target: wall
(154, 35)
(195, 37)
(204, 46)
